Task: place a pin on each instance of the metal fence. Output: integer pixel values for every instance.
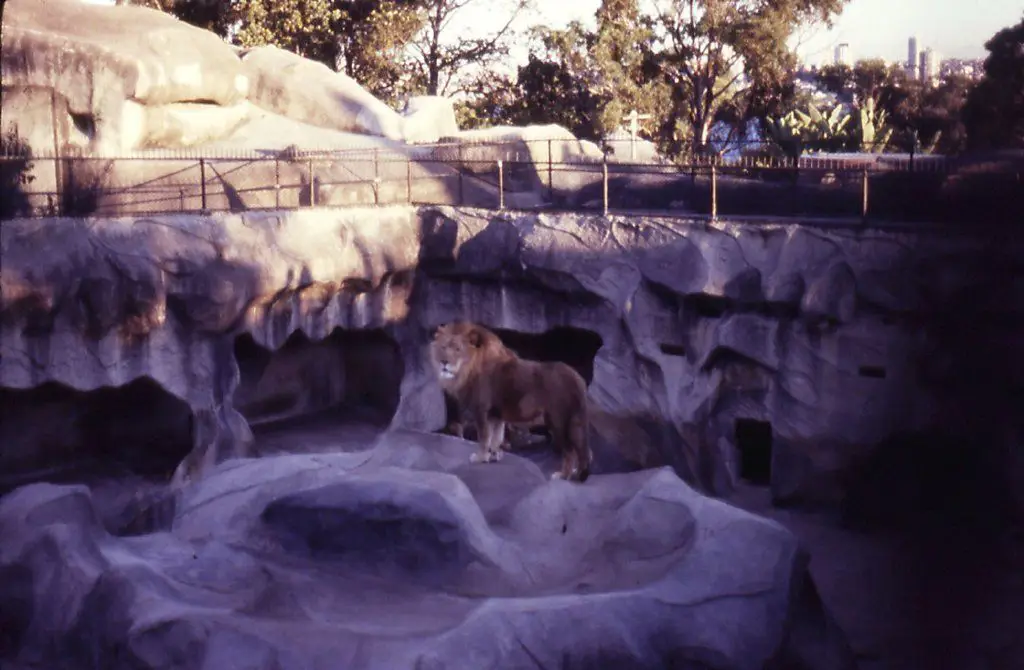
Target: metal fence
(543, 174)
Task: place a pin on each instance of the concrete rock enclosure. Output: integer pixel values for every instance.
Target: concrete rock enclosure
(405, 556)
(782, 353)
(134, 98)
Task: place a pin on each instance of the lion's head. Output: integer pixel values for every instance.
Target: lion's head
(453, 349)
(458, 348)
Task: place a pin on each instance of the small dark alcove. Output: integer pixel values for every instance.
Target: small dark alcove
(754, 443)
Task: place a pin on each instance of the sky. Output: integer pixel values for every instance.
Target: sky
(873, 28)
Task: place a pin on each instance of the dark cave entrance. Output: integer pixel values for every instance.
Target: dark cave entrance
(575, 347)
(354, 375)
(55, 433)
(754, 443)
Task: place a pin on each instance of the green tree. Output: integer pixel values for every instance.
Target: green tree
(713, 53)
(371, 38)
(620, 52)
(213, 15)
(994, 112)
(304, 27)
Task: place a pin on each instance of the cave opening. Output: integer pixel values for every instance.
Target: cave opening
(754, 443)
(576, 347)
(55, 433)
(350, 378)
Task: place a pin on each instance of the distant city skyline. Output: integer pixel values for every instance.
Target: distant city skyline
(881, 28)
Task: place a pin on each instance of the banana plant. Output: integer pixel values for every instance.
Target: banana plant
(874, 135)
(821, 130)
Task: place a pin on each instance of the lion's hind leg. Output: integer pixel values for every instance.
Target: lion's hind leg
(571, 442)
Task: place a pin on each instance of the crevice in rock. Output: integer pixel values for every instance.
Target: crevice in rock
(872, 371)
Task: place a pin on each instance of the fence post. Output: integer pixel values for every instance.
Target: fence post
(501, 185)
(551, 183)
(58, 164)
(714, 192)
(376, 176)
(462, 194)
(864, 195)
(202, 184)
(604, 184)
(408, 178)
(312, 187)
(277, 183)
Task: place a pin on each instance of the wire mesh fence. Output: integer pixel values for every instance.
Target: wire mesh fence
(521, 174)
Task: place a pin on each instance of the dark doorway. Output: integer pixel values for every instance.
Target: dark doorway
(754, 442)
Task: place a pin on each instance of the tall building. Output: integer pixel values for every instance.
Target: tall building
(929, 65)
(842, 55)
(912, 62)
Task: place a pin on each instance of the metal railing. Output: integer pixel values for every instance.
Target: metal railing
(543, 174)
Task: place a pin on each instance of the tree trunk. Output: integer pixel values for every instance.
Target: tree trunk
(701, 133)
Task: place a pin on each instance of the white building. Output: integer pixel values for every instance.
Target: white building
(842, 55)
(912, 56)
(929, 65)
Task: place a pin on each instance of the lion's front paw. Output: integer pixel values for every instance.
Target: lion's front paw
(556, 475)
(497, 455)
(476, 457)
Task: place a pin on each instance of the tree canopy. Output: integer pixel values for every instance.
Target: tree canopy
(702, 70)
(994, 112)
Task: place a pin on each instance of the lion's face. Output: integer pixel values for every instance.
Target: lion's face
(452, 350)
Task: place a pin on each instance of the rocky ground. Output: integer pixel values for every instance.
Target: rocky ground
(401, 555)
(903, 601)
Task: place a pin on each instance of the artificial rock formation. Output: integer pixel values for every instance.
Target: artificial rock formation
(128, 81)
(780, 353)
(407, 556)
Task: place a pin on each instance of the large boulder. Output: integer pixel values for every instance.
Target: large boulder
(407, 556)
(312, 93)
(101, 73)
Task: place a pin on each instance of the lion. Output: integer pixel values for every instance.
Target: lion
(459, 420)
(494, 387)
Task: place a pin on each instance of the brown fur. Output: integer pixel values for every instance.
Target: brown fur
(495, 387)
